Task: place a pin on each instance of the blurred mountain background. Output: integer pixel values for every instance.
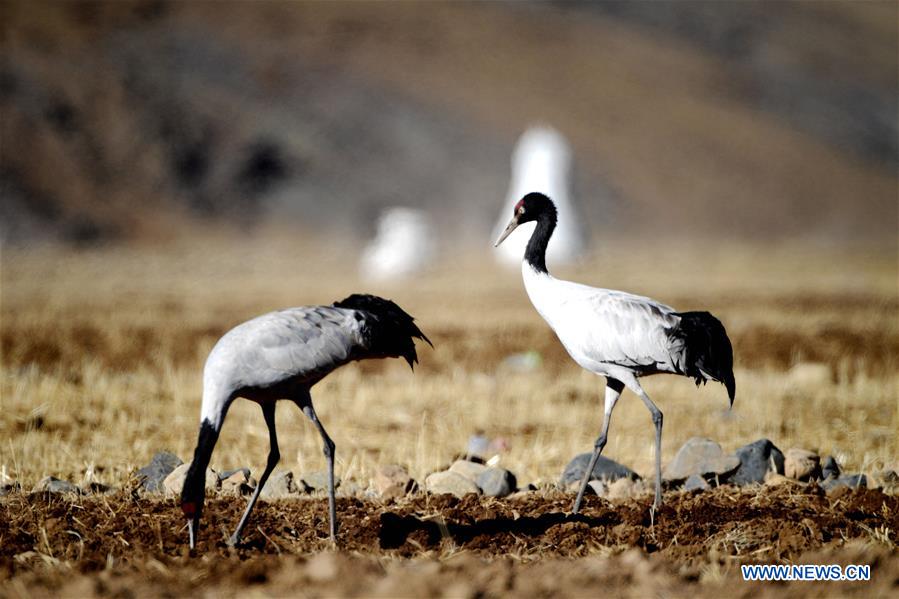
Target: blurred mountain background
(144, 120)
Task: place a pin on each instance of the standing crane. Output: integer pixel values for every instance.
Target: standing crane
(618, 335)
(281, 355)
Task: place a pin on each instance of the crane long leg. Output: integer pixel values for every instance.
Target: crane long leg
(329, 456)
(657, 421)
(613, 392)
(274, 455)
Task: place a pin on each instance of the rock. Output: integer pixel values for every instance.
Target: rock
(53, 485)
(98, 488)
(478, 445)
(830, 468)
(225, 474)
(451, 483)
(621, 488)
(773, 479)
(887, 480)
(280, 485)
(496, 482)
(800, 464)
(757, 459)
(605, 469)
(852, 481)
(696, 482)
(703, 457)
(350, 489)
(9, 487)
(238, 482)
(643, 487)
(523, 491)
(598, 486)
(174, 482)
(318, 481)
(153, 474)
(518, 495)
(469, 470)
(393, 480)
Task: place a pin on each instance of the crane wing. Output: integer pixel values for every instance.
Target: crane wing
(613, 327)
(302, 343)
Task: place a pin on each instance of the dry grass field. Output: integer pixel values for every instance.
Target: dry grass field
(103, 351)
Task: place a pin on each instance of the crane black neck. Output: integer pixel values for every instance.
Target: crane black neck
(535, 253)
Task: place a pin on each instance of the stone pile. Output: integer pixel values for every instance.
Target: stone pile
(700, 464)
(465, 476)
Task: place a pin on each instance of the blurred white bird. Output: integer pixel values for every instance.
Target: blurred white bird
(542, 162)
(403, 245)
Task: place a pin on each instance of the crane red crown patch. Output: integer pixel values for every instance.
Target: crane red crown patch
(518, 206)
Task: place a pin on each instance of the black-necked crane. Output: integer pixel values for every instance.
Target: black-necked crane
(281, 355)
(618, 335)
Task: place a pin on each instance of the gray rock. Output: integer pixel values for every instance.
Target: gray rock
(470, 470)
(696, 482)
(229, 473)
(801, 464)
(451, 483)
(702, 457)
(478, 445)
(853, 481)
(599, 487)
(605, 469)
(174, 482)
(756, 460)
(392, 480)
(773, 479)
(98, 488)
(237, 483)
(280, 485)
(623, 488)
(496, 482)
(153, 474)
(9, 487)
(318, 481)
(51, 484)
(830, 468)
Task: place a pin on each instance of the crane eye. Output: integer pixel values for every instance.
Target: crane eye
(521, 210)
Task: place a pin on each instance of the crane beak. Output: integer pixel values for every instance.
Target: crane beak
(192, 525)
(513, 224)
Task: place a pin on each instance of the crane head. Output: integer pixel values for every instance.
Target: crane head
(529, 208)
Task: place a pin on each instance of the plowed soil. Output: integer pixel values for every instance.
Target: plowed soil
(128, 545)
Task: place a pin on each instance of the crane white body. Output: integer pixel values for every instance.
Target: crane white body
(541, 162)
(607, 332)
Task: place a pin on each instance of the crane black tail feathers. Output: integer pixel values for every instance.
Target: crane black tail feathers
(389, 329)
(707, 350)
